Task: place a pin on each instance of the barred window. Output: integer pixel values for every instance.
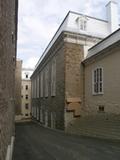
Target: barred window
(98, 81)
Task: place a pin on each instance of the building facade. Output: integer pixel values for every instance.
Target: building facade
(26, 93)
(57, 82)
(102, 71)
(8, 40)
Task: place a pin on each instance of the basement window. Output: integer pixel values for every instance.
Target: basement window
(101, 108)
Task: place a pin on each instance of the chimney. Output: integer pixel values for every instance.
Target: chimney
(112, 15)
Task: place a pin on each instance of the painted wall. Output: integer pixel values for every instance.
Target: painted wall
(111, 81)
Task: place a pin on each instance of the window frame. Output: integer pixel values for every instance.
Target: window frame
(26, 106)
(98, 81)
(82, 23)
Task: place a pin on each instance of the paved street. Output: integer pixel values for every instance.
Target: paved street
(34, 142)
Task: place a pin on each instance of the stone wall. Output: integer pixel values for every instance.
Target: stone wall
(52, 104)
(8, 35)
(18, 82)
(73, 94)
(68, 50)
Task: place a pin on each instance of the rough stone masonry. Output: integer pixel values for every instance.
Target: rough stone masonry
(8, 38)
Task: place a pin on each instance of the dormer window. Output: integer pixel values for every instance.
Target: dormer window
(82, 23)
(26, 75)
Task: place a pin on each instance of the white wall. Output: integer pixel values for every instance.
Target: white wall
(95, 27)
(26, 71)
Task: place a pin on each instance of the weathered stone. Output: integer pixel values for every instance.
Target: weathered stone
(8, 26)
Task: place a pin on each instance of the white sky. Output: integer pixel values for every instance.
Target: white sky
(39, 20)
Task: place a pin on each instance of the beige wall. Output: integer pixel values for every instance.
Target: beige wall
(111, 83)
(25, 92)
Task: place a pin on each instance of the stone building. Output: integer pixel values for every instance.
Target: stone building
(8, 40)
(57, 89)
(26, 93)
(18, 83)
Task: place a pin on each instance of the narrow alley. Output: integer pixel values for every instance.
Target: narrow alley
(34, 142)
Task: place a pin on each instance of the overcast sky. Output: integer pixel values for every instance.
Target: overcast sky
(39, 20)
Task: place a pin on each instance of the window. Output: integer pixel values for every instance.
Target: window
(41, 85)
(26, 96)
(26, 75)
(26, 87)
(53, 78)
(26, 114)
(98, 81)
(101, 108)
(37, 86)
(26, 106)
(46, 81)
(82, 23)
(34, 88)
(41, 115)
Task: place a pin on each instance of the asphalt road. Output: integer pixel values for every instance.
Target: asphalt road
(34, 142)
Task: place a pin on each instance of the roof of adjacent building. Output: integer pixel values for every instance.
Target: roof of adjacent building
(69, 24)
(102, 45)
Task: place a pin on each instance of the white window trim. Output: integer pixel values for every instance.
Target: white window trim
(53, 77)
(46, 81)
(37, 88)
(41, 84)
(99, 93)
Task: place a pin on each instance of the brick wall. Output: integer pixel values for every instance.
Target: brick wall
(8, 23)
